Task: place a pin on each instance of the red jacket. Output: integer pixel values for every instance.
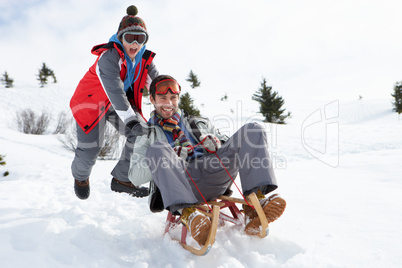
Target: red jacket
(90, 101)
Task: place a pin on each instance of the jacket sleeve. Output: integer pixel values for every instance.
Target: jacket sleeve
(139, 172)
(152, 74)
(153, 71)
(108, 71)
(202, 126)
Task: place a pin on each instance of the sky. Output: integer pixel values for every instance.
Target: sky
(316, 49)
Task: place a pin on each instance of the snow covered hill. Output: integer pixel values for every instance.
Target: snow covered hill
(338, 166)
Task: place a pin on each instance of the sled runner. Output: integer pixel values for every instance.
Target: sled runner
(217, 217)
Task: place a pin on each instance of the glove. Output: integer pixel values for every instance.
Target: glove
(181, 151)
(210, 143)
(137, 128)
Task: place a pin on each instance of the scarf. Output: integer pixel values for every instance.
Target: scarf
(171, 125)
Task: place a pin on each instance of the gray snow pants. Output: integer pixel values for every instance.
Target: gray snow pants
(89, 145)
(245, 153)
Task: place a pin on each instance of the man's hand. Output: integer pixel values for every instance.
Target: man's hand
(210, 143)
(181, 151)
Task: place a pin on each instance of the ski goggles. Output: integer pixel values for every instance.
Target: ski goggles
(135, 37)
(163, 86)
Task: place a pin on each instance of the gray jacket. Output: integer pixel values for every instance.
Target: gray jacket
(139, 172)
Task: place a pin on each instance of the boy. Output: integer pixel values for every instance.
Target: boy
(112, 91)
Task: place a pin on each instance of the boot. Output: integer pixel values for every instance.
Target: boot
(197, 223)
(273, 208)
(81, 189)
(127, 187)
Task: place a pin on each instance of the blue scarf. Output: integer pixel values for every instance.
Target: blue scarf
(131, 77)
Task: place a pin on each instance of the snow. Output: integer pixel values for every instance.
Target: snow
(337, 163)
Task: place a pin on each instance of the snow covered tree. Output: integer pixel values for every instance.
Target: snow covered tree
(186, 102)
(44, 73)
(7, 80)
(398, 97)
(270, 104)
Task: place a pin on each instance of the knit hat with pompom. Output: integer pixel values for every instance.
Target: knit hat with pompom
(131, 22)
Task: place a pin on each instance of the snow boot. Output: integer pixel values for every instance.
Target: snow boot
(81, 189)
(198, 224)
(127, 187)
(273, 208)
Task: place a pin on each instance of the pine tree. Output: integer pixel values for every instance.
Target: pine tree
(3, 163)
(44, 73)
(270, 104)
(7, 81)
(186, 102)
(225, 97)
(398, 97)
(193, 79)
(145, 92)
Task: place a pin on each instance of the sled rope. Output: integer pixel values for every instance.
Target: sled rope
(230, 176)
(198, 190)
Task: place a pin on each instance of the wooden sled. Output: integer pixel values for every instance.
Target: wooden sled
(217, 217)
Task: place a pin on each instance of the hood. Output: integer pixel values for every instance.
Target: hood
(130, 79)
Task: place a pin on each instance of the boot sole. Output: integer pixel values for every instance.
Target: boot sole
(200, 229)
(273, 210)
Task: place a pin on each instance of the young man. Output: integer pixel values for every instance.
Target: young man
(112, 91)
(179, 149)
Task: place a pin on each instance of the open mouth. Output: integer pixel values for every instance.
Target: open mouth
(133, 50)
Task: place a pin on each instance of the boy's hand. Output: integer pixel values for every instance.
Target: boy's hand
(137, 128)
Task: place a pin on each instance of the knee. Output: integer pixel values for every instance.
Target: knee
(253, 133)
(254, 125)
(88, 150)
(251, 128)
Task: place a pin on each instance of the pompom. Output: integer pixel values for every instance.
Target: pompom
(132, 10)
